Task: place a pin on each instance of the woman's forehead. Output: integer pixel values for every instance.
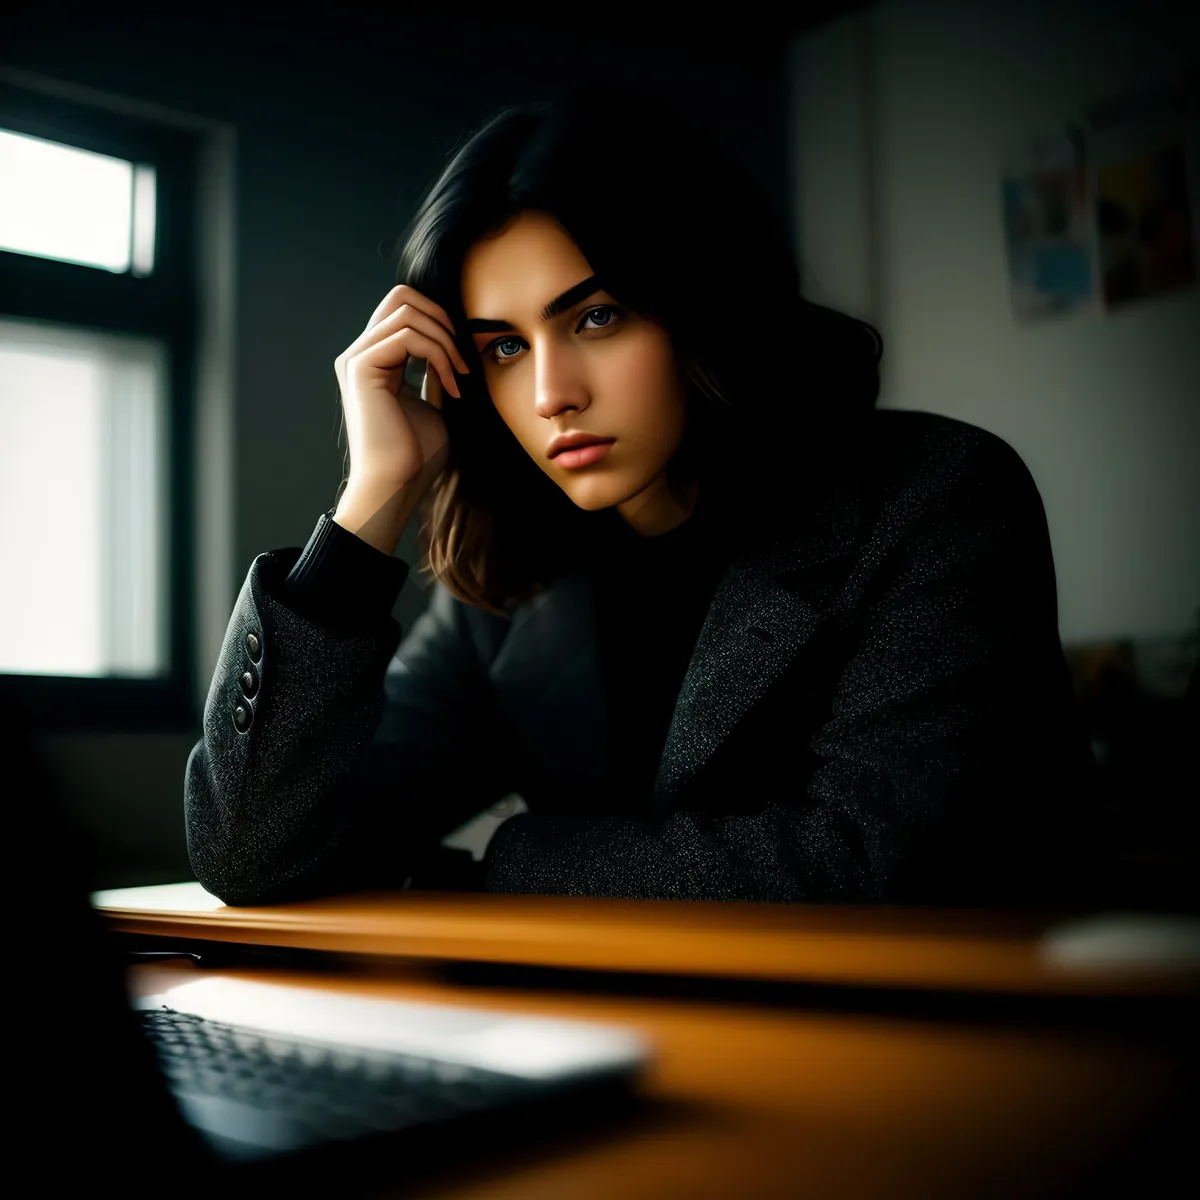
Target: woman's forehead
(515, 272)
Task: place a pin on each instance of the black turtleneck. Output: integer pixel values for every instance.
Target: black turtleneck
(652, 596)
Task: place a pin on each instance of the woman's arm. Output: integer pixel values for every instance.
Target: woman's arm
(354, 762)
(952, 765)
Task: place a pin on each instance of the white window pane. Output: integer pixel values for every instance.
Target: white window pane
(57, 201)
(83, 480)
(145, 207)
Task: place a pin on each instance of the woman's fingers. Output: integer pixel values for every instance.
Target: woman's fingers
(395, 349)
(402, 308)
(402, 296)
(431, 389)
(409, 316)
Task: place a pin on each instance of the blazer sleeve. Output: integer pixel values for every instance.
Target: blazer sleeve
(953, 766)
(358, 758)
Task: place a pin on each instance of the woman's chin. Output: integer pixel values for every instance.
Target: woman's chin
(593, 499)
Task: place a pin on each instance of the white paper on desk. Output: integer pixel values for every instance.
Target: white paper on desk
(531, 1047)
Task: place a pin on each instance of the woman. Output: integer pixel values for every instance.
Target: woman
(764, 643)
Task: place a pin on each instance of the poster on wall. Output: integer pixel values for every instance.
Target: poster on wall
(1106, 212)
(1047, 220)
(1144, 163)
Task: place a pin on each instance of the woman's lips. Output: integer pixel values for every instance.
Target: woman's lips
(583, 455)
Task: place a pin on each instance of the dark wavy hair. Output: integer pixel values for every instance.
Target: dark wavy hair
(675, 230)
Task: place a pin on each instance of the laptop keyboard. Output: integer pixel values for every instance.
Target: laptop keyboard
(325, 1091)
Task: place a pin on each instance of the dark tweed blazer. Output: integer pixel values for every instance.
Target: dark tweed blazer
(877, 709)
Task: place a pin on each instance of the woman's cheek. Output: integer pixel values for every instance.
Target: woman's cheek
(504, 403)
(645, 368)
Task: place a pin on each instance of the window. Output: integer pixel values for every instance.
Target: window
(97, 347)
(76, 205)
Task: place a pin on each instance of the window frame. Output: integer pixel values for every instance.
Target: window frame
(163, 305)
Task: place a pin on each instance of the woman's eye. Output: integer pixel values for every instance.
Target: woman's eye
(605, 311)
(609, 312)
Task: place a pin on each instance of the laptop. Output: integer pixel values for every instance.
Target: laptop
(263, 1070)
(239, 1084)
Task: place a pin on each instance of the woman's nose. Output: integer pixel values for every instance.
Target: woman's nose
(558, 383)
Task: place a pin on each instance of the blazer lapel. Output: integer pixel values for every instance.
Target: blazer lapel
(764, 617)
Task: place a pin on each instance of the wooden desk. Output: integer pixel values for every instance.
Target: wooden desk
(880, 1053)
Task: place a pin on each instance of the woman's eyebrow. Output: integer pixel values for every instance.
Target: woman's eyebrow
(560, 304)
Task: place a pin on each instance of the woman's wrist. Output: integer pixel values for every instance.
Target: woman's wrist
(379, 519)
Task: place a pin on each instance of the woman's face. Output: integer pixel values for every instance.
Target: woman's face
(592, 367)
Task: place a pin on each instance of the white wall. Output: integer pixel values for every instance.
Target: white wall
(901, 118)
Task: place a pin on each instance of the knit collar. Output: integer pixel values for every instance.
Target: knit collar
(688, 534)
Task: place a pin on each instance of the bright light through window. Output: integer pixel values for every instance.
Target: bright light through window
(83, 483)
(75, 205)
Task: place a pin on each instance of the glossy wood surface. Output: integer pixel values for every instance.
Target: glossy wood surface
(758, 1101)
(1021, 952)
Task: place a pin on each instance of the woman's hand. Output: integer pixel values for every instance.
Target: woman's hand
(397, 440)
